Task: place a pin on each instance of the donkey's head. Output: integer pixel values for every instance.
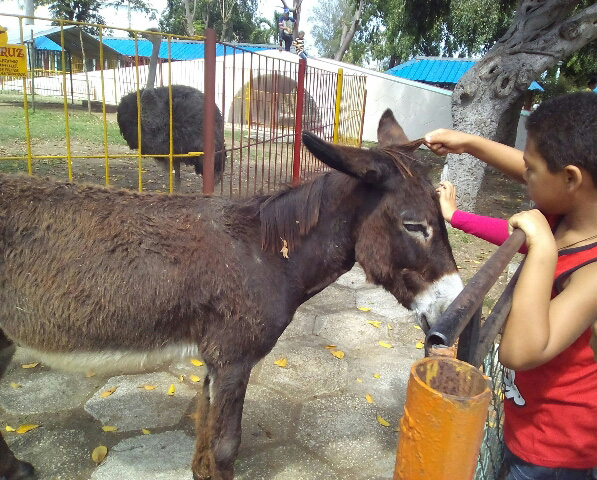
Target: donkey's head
(400, 239)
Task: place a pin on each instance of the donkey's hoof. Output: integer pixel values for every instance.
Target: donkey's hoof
(20, 471)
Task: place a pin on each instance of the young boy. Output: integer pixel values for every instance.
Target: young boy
(550, 425)
(299, 45)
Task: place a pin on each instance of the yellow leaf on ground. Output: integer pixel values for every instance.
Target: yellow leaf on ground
(330, 346)
(107, 393)
(147, 387)
(145, 431)
(196, 362)
(417, 327)
(26, 428)
(171, 390)
(90, 374)
(359, 380)
(194, 378)
(364, 309)
(282, 362)
(181, 378)
(99, 453)
(30, 365)
(337, 353)
(15, 385)
(376, 375)
(389, 327)
(419, 344)
(386, 345)
(107, 428)
(369, 398)
(382, 421)
(10, 429)
(376, 324)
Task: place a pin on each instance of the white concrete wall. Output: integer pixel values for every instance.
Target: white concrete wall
(418, 107)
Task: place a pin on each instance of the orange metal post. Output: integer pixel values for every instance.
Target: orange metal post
(442, 427)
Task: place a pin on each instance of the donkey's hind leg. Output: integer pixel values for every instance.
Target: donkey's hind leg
(10, 467)
(223, 426)
(203, 458)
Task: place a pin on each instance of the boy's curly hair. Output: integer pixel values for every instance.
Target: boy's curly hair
(564, 130)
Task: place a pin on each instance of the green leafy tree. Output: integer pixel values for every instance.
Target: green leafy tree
(88, 11)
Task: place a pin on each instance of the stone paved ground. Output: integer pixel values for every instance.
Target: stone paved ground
(307, 421)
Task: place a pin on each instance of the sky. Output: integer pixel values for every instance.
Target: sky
(119, 18)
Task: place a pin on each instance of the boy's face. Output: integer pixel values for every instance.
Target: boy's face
(546, 189)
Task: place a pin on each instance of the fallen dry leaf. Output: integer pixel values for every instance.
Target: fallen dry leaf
(171, 390)
(15, 385)
(386, 345)
(90, 374)
(417, 327)
(26, 428)
(107, 428)
(30, 365)
(330, 346)
(147, 387)
(99, 453)
(10, 429)
(284, 250)
(282, 362)
(364, 309)
(359, 380)
(375, 323)
(181, 378)
(107, 393)
(194, 378)
(419, 345)
(337, 353)
(369, 398)
(197, 363)
(389, 327)
(382, 421)
(145, 431)
(376, 375)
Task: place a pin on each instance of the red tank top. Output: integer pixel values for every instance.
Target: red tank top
(551, 410)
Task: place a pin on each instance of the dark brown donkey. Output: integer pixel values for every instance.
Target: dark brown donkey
(89, 274)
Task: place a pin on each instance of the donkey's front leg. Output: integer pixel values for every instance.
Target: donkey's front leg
(10, 467)
(223, 423)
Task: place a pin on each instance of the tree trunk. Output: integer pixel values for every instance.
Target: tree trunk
(190, 16)
(348, 32)
(488, 98)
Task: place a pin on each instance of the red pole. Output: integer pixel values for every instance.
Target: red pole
(298, 121)
(209, 111)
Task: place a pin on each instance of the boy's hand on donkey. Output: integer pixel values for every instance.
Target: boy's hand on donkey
(443, 141)
(447, 199)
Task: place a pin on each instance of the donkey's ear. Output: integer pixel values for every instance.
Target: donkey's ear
(389, 131)
(356, 162)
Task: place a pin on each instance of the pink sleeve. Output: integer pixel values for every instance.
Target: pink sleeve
(494, 230)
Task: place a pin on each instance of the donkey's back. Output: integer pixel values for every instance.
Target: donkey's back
(123, 273)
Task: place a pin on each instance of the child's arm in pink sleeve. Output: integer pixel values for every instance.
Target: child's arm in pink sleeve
(494, 230)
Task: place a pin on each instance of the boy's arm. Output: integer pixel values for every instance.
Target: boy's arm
(538, 328)
(493, 230)
(506, 159)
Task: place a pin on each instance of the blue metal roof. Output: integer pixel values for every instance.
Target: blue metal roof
(180, 50)
(44, 43)
(437, 70)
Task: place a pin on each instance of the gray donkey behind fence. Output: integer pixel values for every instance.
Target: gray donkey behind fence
(94, 278)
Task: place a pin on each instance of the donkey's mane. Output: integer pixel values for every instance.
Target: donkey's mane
(403, 157)
(290, 214)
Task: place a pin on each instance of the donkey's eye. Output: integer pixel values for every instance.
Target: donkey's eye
(417, 228)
